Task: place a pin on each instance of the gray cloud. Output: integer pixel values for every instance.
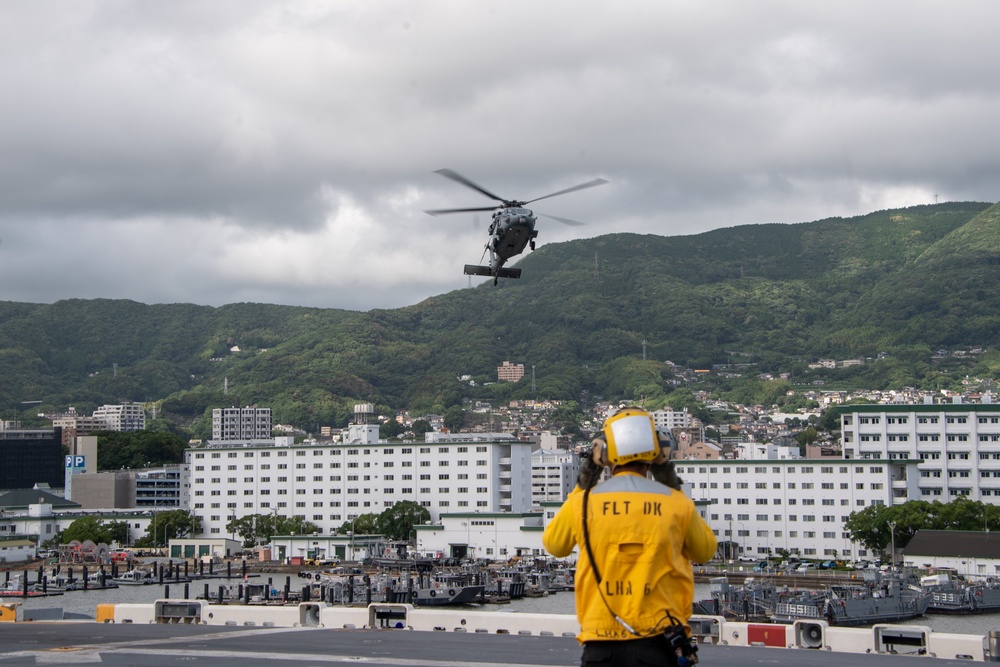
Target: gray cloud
(273, 152)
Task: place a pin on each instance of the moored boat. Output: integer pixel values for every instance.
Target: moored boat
(953, 596)
(135, 578)
(877, 600)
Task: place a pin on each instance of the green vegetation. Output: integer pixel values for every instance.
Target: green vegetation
(871, 526)
(395, 522)
(169, 525)
(892, 286)
(138, 449)
(260, 528)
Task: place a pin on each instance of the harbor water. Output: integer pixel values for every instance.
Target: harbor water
(85, 603)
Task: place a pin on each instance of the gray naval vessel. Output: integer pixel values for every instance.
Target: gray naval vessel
(198, 633)
(950, 595)
(876, 600)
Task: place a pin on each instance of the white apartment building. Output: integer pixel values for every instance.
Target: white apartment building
(757, 451)
(331, 483)
(248, 423)
(122, 417)
(553, 475)
(956, 446)
(798, 505)
(667, 419)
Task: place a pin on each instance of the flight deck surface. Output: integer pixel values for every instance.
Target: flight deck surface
(156, 645)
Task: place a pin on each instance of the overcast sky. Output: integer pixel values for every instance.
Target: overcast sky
(221, 152)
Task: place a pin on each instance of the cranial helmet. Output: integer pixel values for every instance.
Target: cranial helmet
(631, 435)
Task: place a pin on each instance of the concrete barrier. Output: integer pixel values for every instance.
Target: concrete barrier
(806, 635)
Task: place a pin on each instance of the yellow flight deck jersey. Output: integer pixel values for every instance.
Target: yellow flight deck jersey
(644, 536)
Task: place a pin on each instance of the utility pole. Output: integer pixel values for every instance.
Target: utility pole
(892, 530)
(729, 542)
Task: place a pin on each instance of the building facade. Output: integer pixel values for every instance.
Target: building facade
(956, 447)
(553, 475)
(331, 483)
(797, 505)
(77, 425)
(28, 457)
(164, 488)
(508, 372)
(122, 417)
(667, 419)
(229, 424)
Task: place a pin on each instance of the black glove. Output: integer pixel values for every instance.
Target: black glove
(665, 474)
(590, 470)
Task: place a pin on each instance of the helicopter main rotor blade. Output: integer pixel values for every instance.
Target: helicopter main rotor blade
(442, 211)
(582, 186)
(565, 221)
(458, 178)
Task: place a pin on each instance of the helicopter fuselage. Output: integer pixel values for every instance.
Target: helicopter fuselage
(512, 229)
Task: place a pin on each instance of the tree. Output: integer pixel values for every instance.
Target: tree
(169, 525)
(296, 525)
(254, 528)
(390, 428)
(453, 418)
(870, 527)
(806, 436)
(366, 524)
(420, 427)
(397, 522)
(87, 528)
(118, 532)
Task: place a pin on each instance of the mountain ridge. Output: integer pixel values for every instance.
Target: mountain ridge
(582, 314)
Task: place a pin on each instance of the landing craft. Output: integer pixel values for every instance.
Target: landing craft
(512, 227)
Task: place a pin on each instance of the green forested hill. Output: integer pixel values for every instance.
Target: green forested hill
(901, 281)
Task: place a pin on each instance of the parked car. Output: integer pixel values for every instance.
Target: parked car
(805, 567)
(828, 565)
(762, 566)
(746, 559)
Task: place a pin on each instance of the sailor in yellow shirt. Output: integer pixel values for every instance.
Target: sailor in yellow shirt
(637, 538)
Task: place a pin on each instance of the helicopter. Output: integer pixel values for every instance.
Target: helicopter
(512, 227)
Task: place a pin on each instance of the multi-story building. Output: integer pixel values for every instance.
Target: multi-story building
(956, 447)
(30, 456)
(73, 425)
(799, 505)
(331, 483)
(553, 475)
(122, 417)
(668, 419)
(508, 372)
(168, 487)
(231, 424)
